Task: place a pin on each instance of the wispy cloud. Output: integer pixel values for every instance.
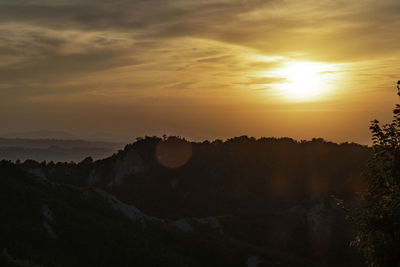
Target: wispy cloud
(125, 50)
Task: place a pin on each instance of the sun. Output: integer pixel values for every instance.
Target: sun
(304, 81)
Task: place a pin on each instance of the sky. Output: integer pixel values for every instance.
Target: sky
(201, 69)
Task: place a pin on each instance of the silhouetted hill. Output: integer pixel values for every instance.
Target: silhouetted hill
(275, 194)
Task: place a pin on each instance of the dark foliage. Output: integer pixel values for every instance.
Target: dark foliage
(377, 217)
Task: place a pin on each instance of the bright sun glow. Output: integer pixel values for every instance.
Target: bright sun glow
(305, 81)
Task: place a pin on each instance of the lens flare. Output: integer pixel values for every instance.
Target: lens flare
(173, 152)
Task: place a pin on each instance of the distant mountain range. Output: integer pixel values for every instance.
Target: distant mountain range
(54, 149)
(62, 135)
(43, 134)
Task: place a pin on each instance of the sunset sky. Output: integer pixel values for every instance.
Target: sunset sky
(202, 69)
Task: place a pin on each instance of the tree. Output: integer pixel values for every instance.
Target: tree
(376, 218)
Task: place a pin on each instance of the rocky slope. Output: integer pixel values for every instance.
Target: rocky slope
(50, 224)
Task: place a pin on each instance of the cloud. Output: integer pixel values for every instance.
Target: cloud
(264, 81)
(127, 50)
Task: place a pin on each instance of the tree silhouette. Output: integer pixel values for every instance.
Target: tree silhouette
(377, 216)
(398, 87)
